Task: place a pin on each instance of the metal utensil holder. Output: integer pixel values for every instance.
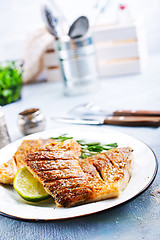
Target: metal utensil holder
(78, 64)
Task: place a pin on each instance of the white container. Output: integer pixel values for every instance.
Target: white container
(50, 59)
(120, 49)
(53, 74)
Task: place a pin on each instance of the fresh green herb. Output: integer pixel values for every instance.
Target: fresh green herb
(88, 149)
(62, 138)
(10, 82)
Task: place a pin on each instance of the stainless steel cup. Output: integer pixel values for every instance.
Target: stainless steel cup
(4, 136)
(78, 64)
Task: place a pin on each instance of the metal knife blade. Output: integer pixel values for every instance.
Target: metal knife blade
(78, 121)
(135, 121)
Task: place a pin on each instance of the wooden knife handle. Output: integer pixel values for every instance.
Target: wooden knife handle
(133, 121)
(136, 113)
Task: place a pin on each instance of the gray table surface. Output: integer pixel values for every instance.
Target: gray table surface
(138, 218)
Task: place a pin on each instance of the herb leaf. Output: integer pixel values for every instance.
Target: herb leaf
(10, 82)
(88, 149)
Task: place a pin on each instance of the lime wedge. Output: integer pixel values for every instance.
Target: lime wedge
(28, 187)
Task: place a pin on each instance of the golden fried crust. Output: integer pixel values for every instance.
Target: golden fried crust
(112, 163)
(109, 172)
(68, 146)
(27, 147)
(70, 180)
(9, 169)
(92, 174)
(67, 178)
(114, 166)
(59, 171)
(74, 196)
(51, 155)
(7, 172)
(101, 190)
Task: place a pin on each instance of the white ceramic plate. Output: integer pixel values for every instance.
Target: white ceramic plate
(144, 171)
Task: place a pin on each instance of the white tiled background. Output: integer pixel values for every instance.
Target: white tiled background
(18, 18)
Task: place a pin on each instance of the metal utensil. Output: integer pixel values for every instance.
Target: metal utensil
(93, 109)
(62, 20)
(51, 21)
(79, 27)
(115, 120)
(88, 109)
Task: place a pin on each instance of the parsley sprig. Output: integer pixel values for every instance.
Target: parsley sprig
(10, 81)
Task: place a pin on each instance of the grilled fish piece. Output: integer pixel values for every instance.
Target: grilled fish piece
(59, 171)
(27, 147)
(101, 190)
(9, 169)
(70, 180)
(114, 166)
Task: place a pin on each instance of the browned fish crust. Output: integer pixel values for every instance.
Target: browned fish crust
(112, 164)
(59, 171)
(108, 172)
(8, 171)
(71, 181)
(67, 178)
(27, 147)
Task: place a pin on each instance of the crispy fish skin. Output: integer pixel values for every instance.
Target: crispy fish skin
(9, 169)
(59, 171)
(71, 181)
(101, 190)
(114, 166)
(67, 178)
(27, 147)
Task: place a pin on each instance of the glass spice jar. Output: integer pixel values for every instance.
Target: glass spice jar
(31, 121)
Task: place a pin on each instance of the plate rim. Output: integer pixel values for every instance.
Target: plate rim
(97, 211)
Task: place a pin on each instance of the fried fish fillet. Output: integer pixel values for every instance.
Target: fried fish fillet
(70, 180)
(9, 169)
(101, 190)
(59, 171)
(108, 172)
(27, 147)
(67, 178)
(115, 166)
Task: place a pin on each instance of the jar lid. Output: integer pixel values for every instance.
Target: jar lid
(29, 113)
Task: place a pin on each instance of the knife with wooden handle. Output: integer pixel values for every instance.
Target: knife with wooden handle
(136, 113)
(135, 121)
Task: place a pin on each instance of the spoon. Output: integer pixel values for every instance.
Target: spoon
(79, 27)
(51, 22)
(62, 20)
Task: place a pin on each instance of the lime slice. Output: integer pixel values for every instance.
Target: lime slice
(28, 187)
